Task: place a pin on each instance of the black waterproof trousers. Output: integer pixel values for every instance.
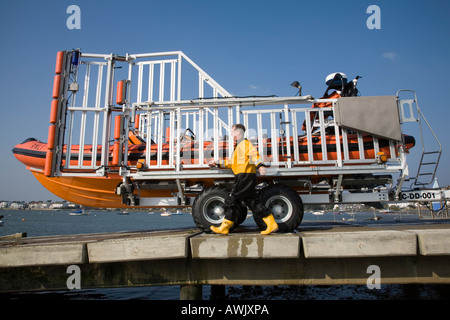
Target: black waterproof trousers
(244, 191)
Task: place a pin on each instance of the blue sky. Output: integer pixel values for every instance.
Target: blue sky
(249, 47)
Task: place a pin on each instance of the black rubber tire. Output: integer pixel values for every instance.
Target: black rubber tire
(287, 205)
(207, 208)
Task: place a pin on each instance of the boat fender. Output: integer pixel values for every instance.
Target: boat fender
(48, 163)
(59, 62)
(51, 137)
(54, 112)
(56, 86)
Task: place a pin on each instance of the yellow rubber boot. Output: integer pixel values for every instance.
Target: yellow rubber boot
(224, 227)
(272, 226)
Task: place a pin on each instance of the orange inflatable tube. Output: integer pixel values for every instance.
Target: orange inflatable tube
(51, 137)
(54, 112)
(117, 126)
(59, 62)
(116, 151)
(56, 86)
(48, 163)
(121, 93)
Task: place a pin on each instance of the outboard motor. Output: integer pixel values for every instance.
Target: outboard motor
(338, 81)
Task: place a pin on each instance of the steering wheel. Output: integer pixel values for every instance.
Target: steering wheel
(188, 135)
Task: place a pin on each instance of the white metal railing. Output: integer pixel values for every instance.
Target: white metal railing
(275, 131)
(203, 125)
(85, 146)
(87, 107)
(153, 107)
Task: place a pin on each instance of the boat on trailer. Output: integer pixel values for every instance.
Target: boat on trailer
(32, 152)
(151, 146)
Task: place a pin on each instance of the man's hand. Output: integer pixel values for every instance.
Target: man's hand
(212, 163)
(262, 170)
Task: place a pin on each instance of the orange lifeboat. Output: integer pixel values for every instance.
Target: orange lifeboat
(32, 152)
(99, 191)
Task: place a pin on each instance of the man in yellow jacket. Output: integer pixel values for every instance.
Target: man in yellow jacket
(244, 162)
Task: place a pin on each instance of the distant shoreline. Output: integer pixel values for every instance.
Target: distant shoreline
(403, 211)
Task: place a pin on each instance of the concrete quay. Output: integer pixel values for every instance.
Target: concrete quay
(322, 253)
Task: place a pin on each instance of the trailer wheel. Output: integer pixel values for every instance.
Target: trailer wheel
(286, 206)
(208, 210)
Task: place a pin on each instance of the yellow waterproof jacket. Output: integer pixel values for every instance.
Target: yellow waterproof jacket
(245, 158)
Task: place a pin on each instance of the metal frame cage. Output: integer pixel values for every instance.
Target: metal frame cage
(183, 117)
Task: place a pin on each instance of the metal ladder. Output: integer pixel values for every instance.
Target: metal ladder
(429, 159)
(427, 167)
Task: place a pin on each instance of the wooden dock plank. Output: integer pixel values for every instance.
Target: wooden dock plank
(358, 244)
(433, 242)
(152, 247)
(325, 255)
(47, 254)
(245, 245)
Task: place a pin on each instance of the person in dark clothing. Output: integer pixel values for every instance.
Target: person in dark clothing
(244, 162)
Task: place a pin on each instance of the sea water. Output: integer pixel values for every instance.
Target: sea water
(49, 222)
(61, 222)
